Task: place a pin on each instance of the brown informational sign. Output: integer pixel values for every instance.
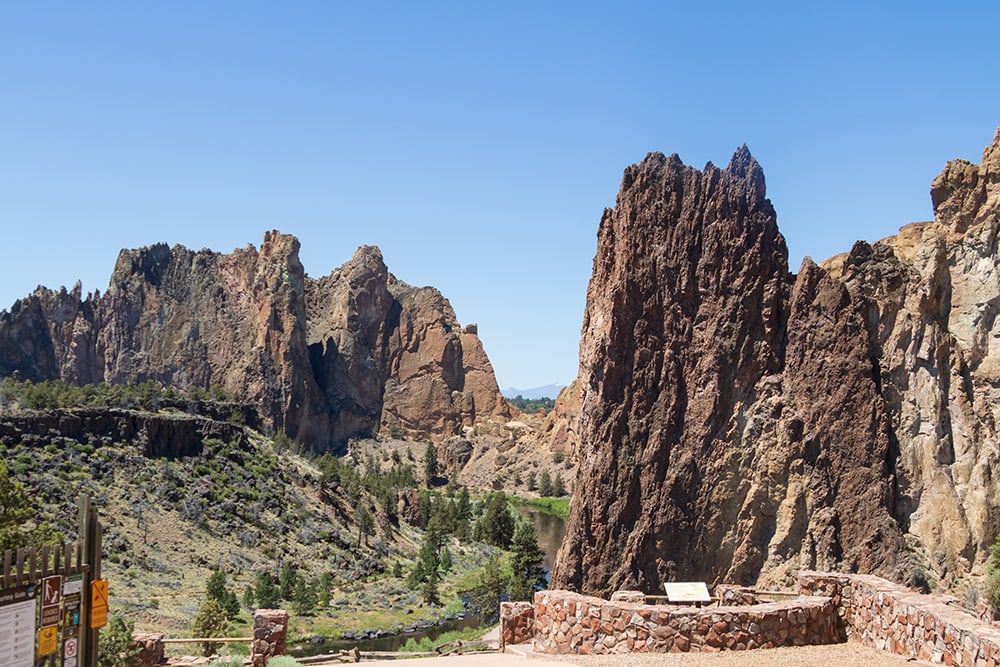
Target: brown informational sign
(48, 641)
(98, 603)
(51, 601)
(72, 592)
(18, 615)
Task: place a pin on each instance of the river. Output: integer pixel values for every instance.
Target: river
(550, 530)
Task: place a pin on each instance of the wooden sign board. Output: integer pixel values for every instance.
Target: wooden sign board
(687, 591)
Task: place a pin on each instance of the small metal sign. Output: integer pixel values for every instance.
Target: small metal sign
(51, 601)
(98, 603)
(48, 641)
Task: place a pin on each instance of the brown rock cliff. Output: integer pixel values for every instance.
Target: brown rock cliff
(738, 423)
(323, 360)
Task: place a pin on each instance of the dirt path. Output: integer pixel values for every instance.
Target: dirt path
(836, 655)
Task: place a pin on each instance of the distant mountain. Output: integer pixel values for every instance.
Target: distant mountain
(548, 391)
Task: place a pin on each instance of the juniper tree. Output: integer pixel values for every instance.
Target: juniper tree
(527, 571)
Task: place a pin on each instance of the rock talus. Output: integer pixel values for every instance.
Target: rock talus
(740, 423)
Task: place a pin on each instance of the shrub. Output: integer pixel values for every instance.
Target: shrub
(115, 648)
(211, 621)
(993, 588)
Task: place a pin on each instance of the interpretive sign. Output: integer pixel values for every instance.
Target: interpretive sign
(18, 613)
(687, 591)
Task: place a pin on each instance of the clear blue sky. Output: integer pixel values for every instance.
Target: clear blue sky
(475, 143)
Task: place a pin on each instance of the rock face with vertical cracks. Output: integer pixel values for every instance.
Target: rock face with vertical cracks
(739, 423)
(323, 360)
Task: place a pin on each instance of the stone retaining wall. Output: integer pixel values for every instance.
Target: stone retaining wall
(893, 618)
(270, 634)
(150, 645)
(517, 623)
(567, 622)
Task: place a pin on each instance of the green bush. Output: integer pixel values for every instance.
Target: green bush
(115, 647)
(993, 588)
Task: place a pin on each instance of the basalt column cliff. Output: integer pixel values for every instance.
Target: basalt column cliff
(350, 354)
(739, 423)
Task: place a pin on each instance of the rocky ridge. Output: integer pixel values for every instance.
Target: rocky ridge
(349, 354)
(741, 423)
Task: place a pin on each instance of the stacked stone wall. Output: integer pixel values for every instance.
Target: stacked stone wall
(270, 634)
(150, 645)
(567, 622)
(517, 623)
(892, 618)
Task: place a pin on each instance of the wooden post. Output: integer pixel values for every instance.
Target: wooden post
(90, 539)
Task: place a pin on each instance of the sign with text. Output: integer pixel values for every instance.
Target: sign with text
(48, 641)
(687, 591)
(71, 647)
(72, 589)
(51, 601)
(18, 614)
(98, 603)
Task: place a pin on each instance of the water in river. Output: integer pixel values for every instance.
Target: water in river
(550, 530)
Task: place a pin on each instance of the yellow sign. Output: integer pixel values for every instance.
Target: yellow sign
(98, 603)
(48, 641)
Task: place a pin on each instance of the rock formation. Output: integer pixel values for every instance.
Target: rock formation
(323, 360)
(739, 423)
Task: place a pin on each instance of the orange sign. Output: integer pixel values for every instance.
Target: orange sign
(98, 603)
(47, 641)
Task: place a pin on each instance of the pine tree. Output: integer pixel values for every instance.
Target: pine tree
(558, 486)
(527, 571)
(428, 562)
(366, 524)
(430, 463)
(545, 484)
(16, 514)
(496, 526)
(211, 621)
(303, 598)
(248, 598)
(490, 587)
(266, 591)
(430, 590)
(446, 559)
(325, 590)
(287, 580)
(215, 589)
